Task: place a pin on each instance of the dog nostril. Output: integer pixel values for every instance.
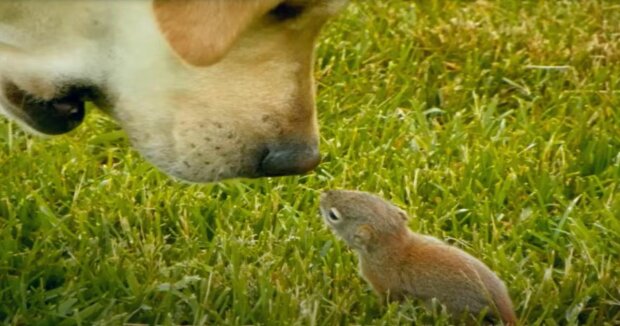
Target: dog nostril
(72, 113)
(289, 159)
(58, 116)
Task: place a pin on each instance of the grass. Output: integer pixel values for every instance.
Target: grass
(496, 125)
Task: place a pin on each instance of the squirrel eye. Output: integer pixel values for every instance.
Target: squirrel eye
(333, 215)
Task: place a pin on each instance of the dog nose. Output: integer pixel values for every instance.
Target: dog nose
(289, 159)
(53, 117)
(59, 117)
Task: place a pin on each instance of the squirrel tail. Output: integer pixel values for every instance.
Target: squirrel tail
(506, 312)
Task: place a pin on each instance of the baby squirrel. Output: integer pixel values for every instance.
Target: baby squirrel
(400, 263)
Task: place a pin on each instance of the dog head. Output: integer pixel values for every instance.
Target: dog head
(206, 90)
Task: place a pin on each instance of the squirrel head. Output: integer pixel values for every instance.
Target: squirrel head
(361, 219)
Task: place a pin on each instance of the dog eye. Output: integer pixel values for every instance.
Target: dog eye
(334, 215)
(286, 11)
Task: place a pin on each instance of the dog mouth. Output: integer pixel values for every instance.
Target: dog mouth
(53, 117)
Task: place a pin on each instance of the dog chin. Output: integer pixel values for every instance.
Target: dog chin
(214, 174)
(201, 167)
(204, 177)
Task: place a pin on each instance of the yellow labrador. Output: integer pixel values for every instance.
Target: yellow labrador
(205, 89)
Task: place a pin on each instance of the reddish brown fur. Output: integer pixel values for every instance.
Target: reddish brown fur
(412, 262)
(400, 264)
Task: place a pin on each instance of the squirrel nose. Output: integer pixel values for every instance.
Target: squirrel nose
(289, 159)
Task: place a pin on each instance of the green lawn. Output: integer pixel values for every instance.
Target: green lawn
(495, 124)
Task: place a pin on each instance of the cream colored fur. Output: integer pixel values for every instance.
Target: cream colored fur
(196, 123)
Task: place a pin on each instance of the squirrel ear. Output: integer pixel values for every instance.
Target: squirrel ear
(202, 31)
(362, 236)
(403, 215)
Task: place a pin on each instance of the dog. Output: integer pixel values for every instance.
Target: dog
(205, 89)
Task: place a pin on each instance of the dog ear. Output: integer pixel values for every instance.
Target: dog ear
(202, 31)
